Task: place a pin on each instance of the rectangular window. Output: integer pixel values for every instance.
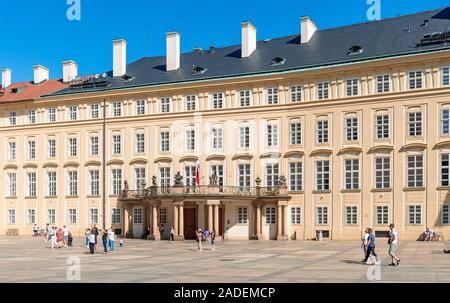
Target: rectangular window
(272, 135)
(51, 114)
(163, 216)
(445, 214)
(73, 147)
(32, 116)
(12, 118)
(190, 140)
(165, 104)
(415, 124)
(31, 216)
(217, 100)
(140, 107)
(351, 129)
(72, 183)
(51, 216)
(116, 144)
(31, 185)
(94, 182)
(322, 215)
(31, 149)
(73, 112)
(272, 172)
(296, 133)
(352, 87)
(382, 215)
(445, 122)
(95, 111)
(323, 175)
(415, 214)
(11, 216)
(415, 79)
(218, 171)
(11, 185)
(190, 173)
(244, 176)
(242, 217)
(383, 84)
(351, 174)
(51, 151)
(12, 150)
(191, 102)
(93, 216)
(117, 109)
(244, 137)
(322, 131)
(137, 215)
(296, 93)
(115, 213)
(140, 143)
(272, 95)
(295, 176)
(116, 181)
(382, 126)
(51, 184)
(217, 138)
(296, 215)
(382, 172)
(164, 141)
(139, 178)
(446, 76)
(93, 146)
(445, 170)
(351, 215)
(244, 98)
(323, 90)
(270, 215)
(72, 215)
(415, 171)
(164, 176)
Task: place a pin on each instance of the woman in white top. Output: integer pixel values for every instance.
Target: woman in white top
(111, 238)
(53, 238)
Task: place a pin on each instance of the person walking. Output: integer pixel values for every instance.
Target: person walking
(87, 234)
(59, 237)
(213, 239)
(393, 239)
(371, 248)
(91, 243)
(111, 238)
(105, 241)
(35, 230)
(172, 235)
(47, 232)
(53, 238)
(199, 239)
(365, 240)
(94, 230)
(66, 235)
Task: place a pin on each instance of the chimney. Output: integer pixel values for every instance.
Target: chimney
(307, 29)
(41, 73)
(70, 70)
(172, 51)
(248, 39)
(6, 77)
(119, 57)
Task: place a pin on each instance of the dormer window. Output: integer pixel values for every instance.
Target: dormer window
(277, 61)
(355, 50)
(198, 70)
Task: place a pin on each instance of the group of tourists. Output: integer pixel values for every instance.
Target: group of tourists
(108, 239)
(203, 236)
(368, 244)
(58, 237)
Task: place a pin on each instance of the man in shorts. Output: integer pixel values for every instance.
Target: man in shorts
(393, 240)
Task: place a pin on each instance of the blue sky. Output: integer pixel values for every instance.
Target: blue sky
(38, 31)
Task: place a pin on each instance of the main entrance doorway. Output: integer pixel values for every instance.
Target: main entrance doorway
(189, 223)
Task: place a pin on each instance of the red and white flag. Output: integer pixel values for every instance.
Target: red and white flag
(197, 174)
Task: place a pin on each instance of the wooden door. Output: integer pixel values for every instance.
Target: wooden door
(189, 223)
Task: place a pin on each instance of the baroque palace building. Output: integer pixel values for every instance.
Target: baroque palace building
(326, 130)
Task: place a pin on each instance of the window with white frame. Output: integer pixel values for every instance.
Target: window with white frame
(95, 111)
(51, 184)
(445, 214)
(116, 181)
(295, 176)
(270, 215)
(414, 214)
(93, 215)
(414, 171)
(31, 216)
(117, 109)
(164, 104)
(244, 98)
(272, 134)
(445, 121)
(140, 142)
(383, 84)
(11, 216)
(116, 144)
(31, 149)
(140, 107)
(272, 174)
(351, 129)
(445, 170)
(72, 183)
(351, 215)
(94, 182)
(191, 101)
(190, 175)
(352, 87)
(446, 76)
(12, 118)
(351, 173)
(322, 131)
(31, 185)
(244, 137)
(242, 215)
(72, 215)
(296, 215)
(415, 79)
(272, 95)
(296, 133)
(322, 215)
(243, 176)
(164, 139)
(32, 116)
(73, 112)
(216, 138)
(137, 215)
(322, 174)
(382, 215)
(51, 148)
(11, 185)
(11, 150)
(323, 90)
(73, 147)
(93, 145)
(217, 100)
(296, 93)
(51, 114)
(382, 126)
(115, 213)
(163, 216)
(164, 176)
(51, 216)
(139, 178)
(217, 169)
(415, 123)
(190, 140)
(382, 172)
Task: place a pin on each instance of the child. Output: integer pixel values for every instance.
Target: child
(121, 243)
(69, 240)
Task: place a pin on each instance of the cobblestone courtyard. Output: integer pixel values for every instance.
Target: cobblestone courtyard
(31, 260)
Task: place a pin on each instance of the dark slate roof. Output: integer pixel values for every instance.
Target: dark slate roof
(384, 38)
